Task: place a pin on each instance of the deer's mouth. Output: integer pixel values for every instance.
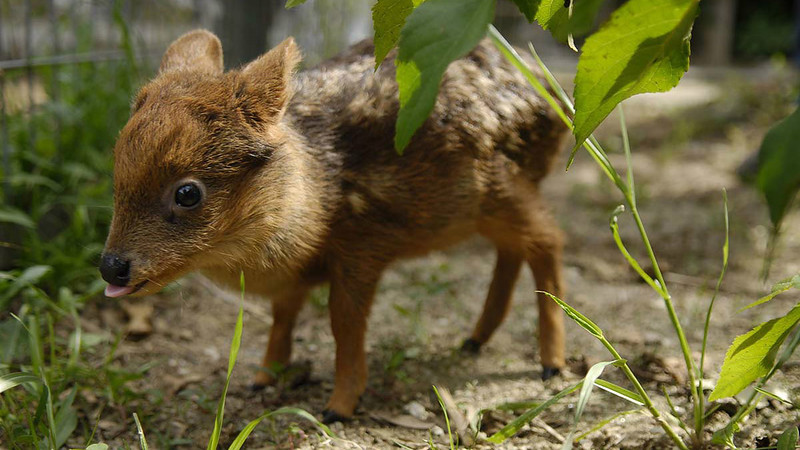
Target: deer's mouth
(114, 291)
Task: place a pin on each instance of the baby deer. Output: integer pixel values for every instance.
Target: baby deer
(294, 180)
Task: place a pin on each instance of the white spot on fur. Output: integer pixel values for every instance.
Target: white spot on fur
(357, 202)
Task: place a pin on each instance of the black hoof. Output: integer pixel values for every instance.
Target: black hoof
(471, 347)
(550, 372)
(330, 416)
(256, 387)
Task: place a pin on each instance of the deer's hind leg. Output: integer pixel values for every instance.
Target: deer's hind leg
(524, 225)
(543, 252)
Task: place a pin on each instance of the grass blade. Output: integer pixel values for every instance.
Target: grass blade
(614, 224)
(592, 374)
(515, 425)
(604, 422)
(698, 413)
(620, 392)
(579, 318)
(248, 429)
(778, 288)
(213, 442)
(12, 380)
(446, 418)
(140, 432)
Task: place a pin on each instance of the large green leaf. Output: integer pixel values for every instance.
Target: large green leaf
(779, 157)
(435, 34)
(788, 439)
(528, 7)
(752, 354)
(388, 18)
(292, 3)
(553, 16)
(644, 47)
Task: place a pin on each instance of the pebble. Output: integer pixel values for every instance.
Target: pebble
(416, 410)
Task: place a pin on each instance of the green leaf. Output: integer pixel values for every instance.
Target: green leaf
(724, 436)
(97, 447)
(140, 432)
(553, 16)
(12, 380)
(752, 354)
(529, 8)
(778, 178)
(620, 392)
(292, 3)
(388, 18)
(66, 419)
(644, 47)
(778, 288)
(599, 425)
(579, 318)
(435, 34)
(29, 276)
(788, 439)
(245, 433)
(517, 424)
(11, 215)
(30, 180)
(592, 375)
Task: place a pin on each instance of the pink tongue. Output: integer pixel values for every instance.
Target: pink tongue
(118, 291)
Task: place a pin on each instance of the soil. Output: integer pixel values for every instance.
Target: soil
(685, 152)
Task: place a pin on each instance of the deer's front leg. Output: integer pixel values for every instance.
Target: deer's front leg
(352, 292)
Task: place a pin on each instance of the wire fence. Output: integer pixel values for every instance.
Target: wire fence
(50, 36)
(47, 37)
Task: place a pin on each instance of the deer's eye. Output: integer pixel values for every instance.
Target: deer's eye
(188, 195)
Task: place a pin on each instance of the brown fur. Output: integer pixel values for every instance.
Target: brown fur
(303, 186)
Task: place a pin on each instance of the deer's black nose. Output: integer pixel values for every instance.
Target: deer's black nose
(115, 270)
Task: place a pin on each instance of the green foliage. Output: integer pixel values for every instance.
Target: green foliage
(563, 23)
(388, 17)
(55, 211)
(625, 58)
(592, 375)
(292, 3)
(427, 46)
(528, 8)
(514, 426)
(213, 441)
(58, 195)
(779, 156)
(752, 354)
(788, 439)
(778, 288)
(576, 316)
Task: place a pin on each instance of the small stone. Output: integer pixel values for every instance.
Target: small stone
(416, 410)
(437, 431)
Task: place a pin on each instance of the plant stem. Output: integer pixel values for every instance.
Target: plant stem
(673, 316)
(645, 398)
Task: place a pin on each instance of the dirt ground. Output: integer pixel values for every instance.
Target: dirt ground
(687, 146)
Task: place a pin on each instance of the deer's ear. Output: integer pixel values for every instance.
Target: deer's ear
(266, 83)
(197, 50)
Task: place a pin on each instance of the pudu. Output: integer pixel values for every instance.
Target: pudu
(294, 180)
